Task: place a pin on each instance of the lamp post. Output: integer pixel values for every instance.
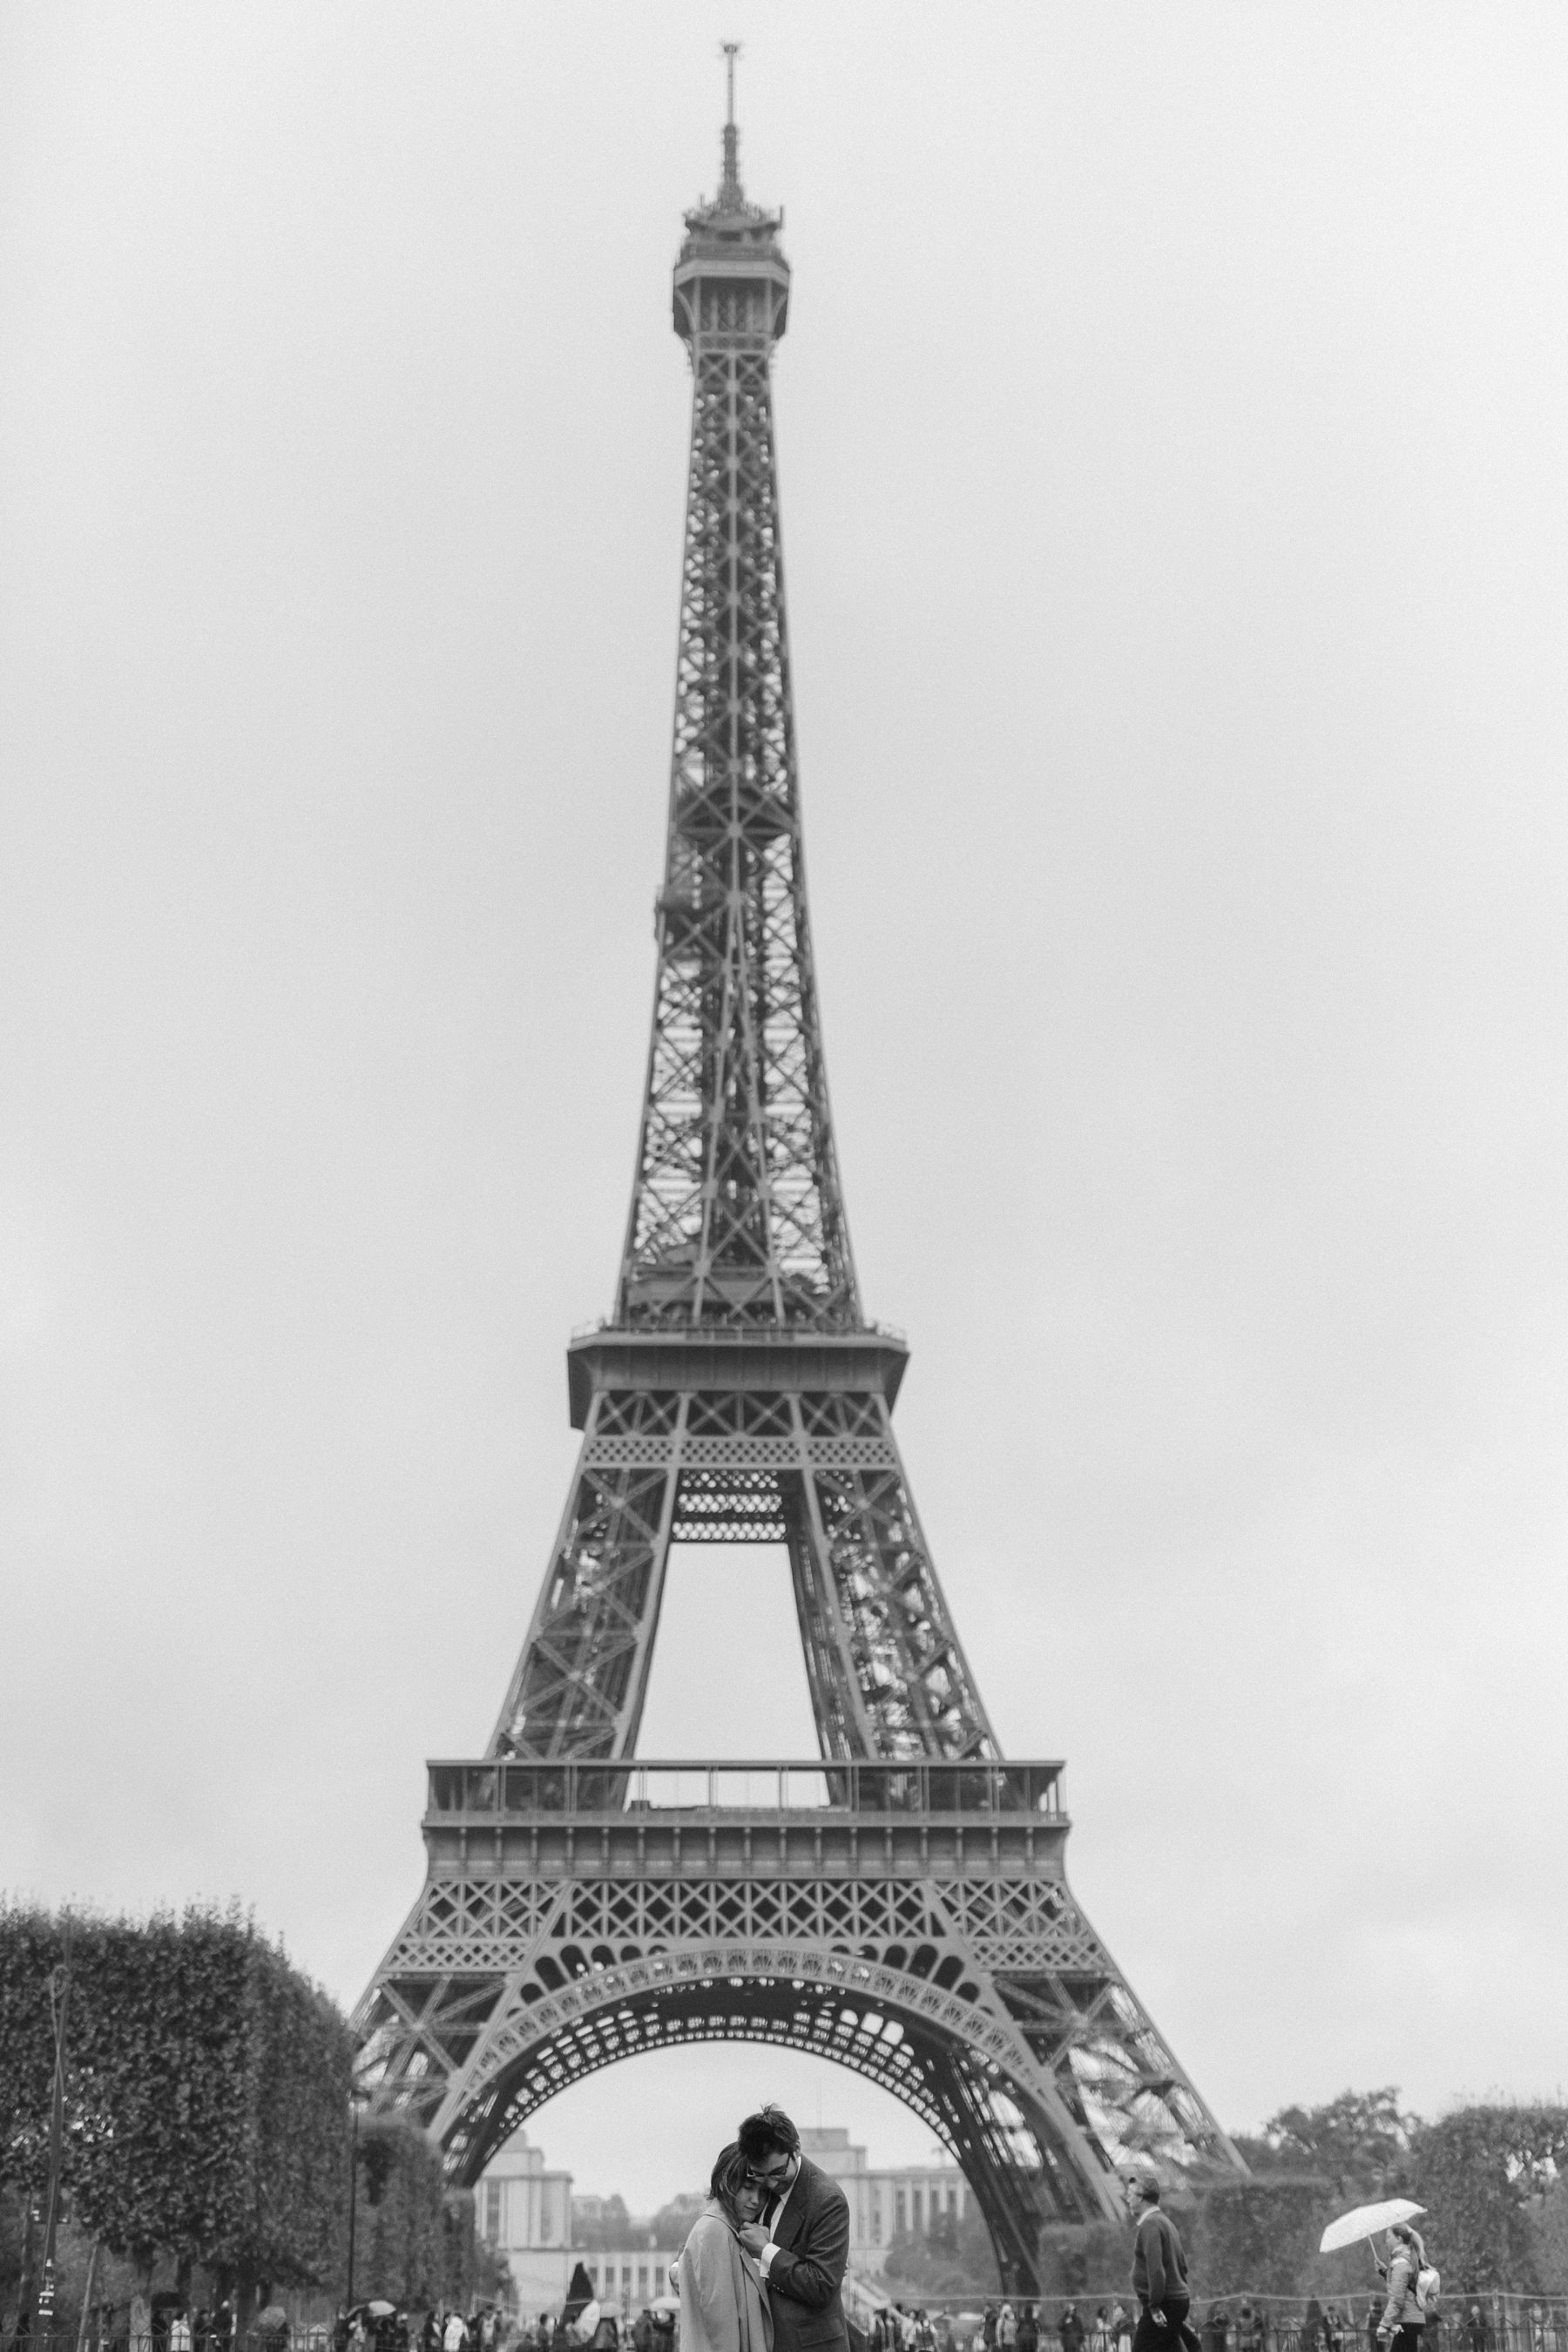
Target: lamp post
(356, 2102)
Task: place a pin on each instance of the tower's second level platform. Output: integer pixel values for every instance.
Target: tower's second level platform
(766, 1358)
(919, 1818)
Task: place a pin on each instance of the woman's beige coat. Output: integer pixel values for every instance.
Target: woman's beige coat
(723, 2303)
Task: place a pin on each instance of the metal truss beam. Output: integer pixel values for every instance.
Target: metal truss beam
(917, 1928)
(817, 1471)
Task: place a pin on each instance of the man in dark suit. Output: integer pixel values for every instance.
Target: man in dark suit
(802, 2240)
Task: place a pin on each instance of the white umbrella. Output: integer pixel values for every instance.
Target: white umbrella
(1365, 2222)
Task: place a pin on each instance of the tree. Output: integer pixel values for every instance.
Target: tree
(416, 2239)
(1258, 2237)
(952, 2257)
(1549, 2235)
(669, 2228)
(399, 2251)
(206, 2089)
(1480, 2172)
(1359, 2144)
(610, 2226)
(1080, 2258)
(29, 1948)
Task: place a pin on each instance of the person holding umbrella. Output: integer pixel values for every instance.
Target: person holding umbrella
(1404, 2313)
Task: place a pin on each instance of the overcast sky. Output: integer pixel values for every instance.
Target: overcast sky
(1173, 433)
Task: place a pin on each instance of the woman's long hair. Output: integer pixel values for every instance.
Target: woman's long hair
(730, 2175)
(1413, 2239)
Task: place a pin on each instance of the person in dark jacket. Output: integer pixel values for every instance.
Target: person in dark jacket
(1159, 2272)
(802, 2242)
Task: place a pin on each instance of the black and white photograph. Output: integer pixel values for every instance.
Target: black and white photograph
(653, 1704)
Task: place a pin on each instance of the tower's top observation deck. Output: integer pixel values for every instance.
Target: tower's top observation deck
(731, 282)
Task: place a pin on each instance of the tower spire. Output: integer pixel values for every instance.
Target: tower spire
(731, 194)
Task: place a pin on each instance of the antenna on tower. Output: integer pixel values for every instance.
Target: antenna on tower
(730, 193)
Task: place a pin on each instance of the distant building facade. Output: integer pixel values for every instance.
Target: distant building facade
(528, 2214)
(882, 2202)
(524, 2212)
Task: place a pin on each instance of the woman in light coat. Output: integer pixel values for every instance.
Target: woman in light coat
(723, 2302)
(1399, 2330)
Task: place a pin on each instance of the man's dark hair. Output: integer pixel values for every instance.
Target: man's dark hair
(767, 2133)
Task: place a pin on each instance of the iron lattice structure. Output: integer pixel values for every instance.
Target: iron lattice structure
(901, 1905)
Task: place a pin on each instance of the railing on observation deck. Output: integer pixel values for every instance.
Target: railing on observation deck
(510, 1790)
(607, 1327)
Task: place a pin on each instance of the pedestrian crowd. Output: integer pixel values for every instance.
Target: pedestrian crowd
(763, 2267)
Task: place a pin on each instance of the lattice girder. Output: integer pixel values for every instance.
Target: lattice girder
(737, 1211)
(1034, 2079)
(818, 1472)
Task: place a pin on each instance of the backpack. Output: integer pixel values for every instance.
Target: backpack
(1426, 2287)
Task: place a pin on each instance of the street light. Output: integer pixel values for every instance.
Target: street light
(356, 2100)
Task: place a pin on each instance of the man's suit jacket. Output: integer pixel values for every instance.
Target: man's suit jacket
(812, 2235)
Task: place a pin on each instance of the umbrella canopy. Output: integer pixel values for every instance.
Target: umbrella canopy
(273, 2317)
(1365, 2222)
(381, 2310)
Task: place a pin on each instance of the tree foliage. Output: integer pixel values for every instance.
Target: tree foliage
(1359, 2144)
(399, 2240)
(950, 2257)
(207, 2087)
(1258, 2236)
(669, 2228)
(1482, 2172)
(1548, 2232)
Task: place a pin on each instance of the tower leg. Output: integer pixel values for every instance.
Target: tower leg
(579, 1686)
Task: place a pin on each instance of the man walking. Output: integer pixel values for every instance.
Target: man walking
(802, 2240)
(1159, 2272)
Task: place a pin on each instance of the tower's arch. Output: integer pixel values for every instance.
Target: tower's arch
(933, 2048)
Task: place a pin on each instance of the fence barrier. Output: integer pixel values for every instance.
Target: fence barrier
(1507, 2322)
(1236, 2322)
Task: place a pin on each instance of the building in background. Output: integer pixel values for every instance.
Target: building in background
(628, 2278)
(529, 2216)
(882, 2203)
(525, 2213)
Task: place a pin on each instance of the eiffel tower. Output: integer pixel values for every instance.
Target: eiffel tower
(899, 1904)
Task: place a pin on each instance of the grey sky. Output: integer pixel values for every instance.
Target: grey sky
(1175, 479)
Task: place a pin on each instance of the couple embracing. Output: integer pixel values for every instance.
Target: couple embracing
(762, 2267)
